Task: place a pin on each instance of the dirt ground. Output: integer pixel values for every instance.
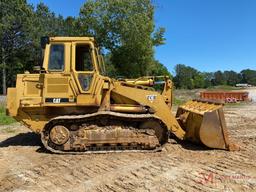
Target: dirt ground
(26, 166)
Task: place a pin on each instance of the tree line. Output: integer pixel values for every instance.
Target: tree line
(124, 29)
(189, 78)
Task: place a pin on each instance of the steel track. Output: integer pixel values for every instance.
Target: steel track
(96, 117)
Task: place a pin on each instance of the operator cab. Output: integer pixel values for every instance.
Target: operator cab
(76, 56)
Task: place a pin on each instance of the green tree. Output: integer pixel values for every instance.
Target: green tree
(199, 80)
(158, 69)
(249, 76)
(110, 68)
(125, 28)
(208, 79)
(45, 24)
(71, 27)
(219, 78)
(15, 26)
(231, 77)
(186, 77)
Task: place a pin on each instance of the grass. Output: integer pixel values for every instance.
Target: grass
(177, 101)
(5, 120)
(183, 95)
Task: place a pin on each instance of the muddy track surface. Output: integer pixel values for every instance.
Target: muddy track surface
(26, 166)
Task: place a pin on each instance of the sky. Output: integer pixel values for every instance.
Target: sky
(208, 35)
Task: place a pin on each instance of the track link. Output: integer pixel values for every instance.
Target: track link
(104, 131)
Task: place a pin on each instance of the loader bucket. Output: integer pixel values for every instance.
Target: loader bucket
(204, 122)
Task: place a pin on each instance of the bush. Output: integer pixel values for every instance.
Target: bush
(5, 120)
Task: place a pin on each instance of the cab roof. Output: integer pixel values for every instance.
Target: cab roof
(54, 39)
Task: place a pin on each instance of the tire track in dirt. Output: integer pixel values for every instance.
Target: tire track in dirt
(180, 167)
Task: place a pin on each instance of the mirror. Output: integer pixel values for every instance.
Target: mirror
(44, 40)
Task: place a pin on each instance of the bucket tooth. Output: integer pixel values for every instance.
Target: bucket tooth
(204, 122)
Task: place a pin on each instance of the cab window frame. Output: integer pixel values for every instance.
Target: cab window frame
(49, 59)
(91, 58)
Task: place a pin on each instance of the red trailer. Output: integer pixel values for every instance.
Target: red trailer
(225, 96)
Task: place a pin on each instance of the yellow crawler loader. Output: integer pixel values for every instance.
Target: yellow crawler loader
(77, 109)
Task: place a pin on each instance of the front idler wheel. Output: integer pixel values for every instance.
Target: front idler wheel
(59, 134)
